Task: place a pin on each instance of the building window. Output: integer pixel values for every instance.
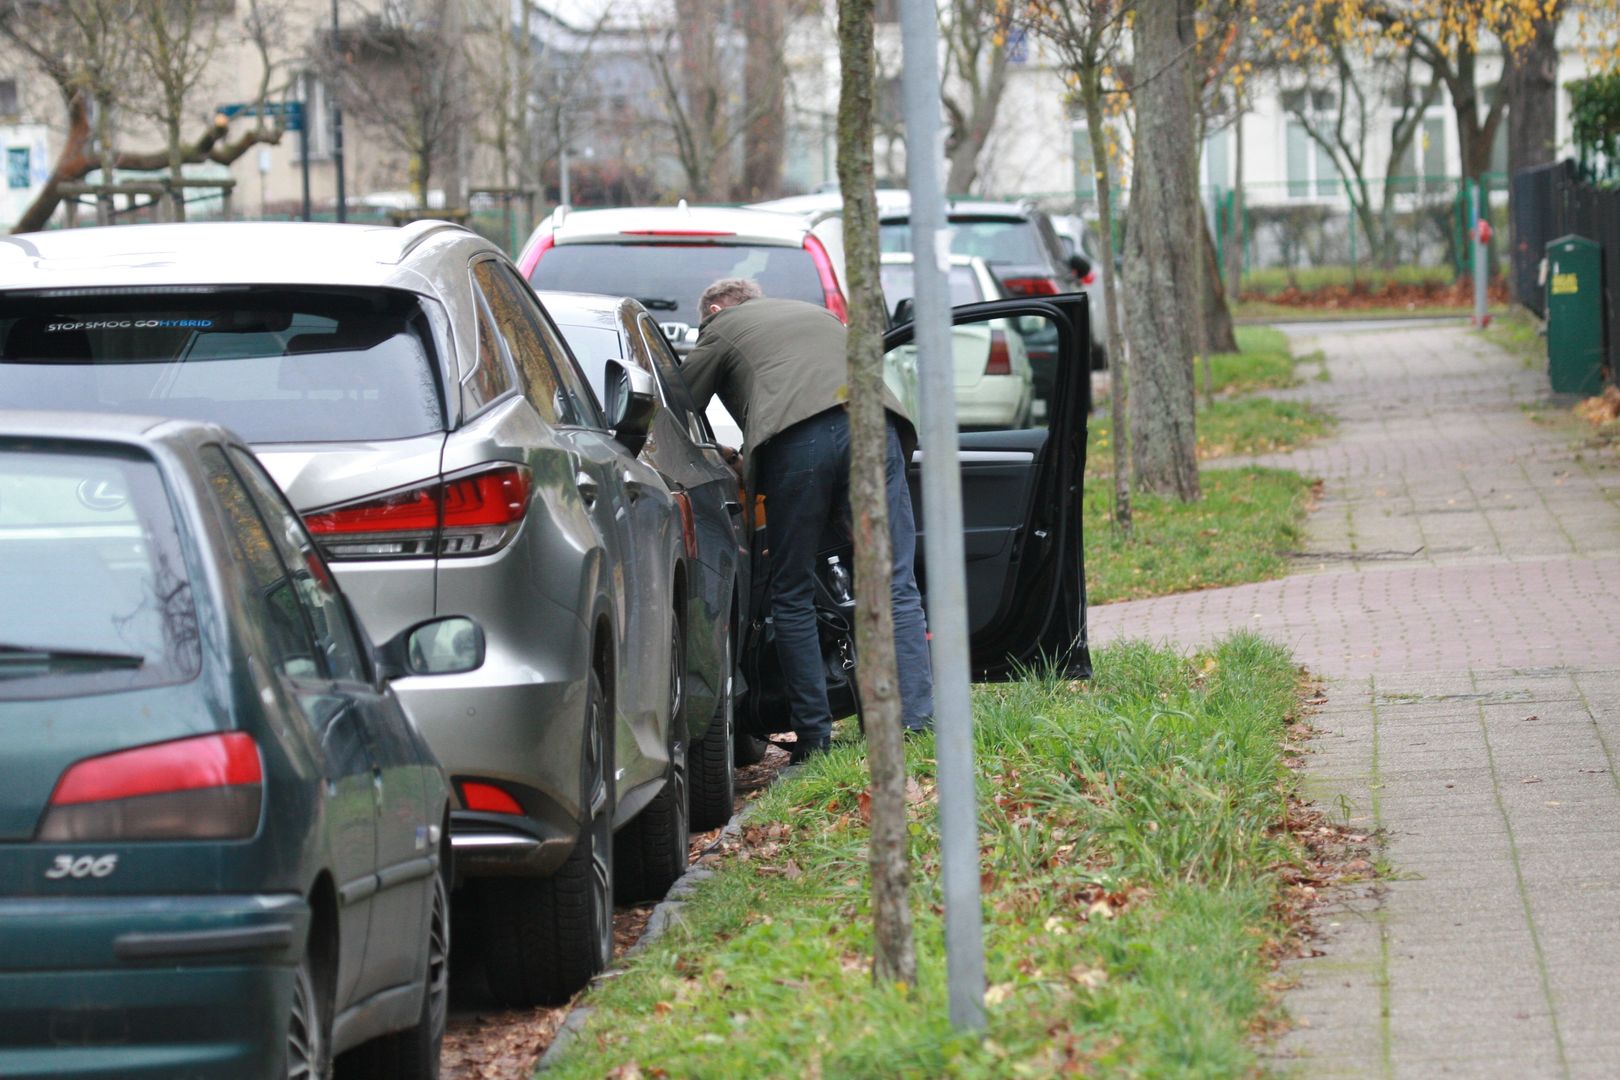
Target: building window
(17, 168)
(8, 98)
(1218, 159)
(1312, 172)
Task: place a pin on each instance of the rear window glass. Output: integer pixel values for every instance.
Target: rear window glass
(97, 597)
(669, 278)
(272, 365)
(900, 282)
(995, 240)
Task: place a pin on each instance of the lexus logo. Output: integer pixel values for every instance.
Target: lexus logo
(100, 495)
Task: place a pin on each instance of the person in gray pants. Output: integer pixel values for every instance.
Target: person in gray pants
(781, 369)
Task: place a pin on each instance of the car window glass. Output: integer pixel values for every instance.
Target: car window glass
(676, 395)
(277, 364)
(488, 379)
(587, 405)
(520, 328)
(668, 278)
(1005, 372)
(336, 638)
(899, 283)
(95, 595)
(995, 240)
(273, 599)
(593, 346)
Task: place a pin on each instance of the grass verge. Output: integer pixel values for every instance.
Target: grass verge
(1132, 831)
(1307, 278)
(1518, 332)
(1240, 531)
(1263, 361)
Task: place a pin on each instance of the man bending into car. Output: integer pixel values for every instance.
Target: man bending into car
(781, 369)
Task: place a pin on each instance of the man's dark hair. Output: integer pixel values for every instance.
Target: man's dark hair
(729, 292)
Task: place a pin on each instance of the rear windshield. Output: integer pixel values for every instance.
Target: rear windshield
(899, 283)
(97, 597)
(274, 365)
(1011, 241)
(669, 278)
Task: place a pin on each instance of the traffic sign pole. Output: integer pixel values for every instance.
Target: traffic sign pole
(942, 517)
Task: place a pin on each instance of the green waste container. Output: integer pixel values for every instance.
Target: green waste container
(1575, 315)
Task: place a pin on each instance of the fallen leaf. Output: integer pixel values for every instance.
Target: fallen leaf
(1089, 977)
(914, 791)
(864, 801)
(1100, 908)
(663, 1008)
(1531, 780)
(791, 871)
(998, 993)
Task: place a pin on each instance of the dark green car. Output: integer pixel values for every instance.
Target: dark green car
(223, 847)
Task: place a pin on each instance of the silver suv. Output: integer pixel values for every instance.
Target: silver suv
(419, 408)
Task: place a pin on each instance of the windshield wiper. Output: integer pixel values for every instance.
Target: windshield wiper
(50, 655)
(654, 303)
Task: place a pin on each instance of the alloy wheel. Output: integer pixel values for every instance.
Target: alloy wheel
(305, 1039)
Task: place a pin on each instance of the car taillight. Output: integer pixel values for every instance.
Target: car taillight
(531, 258)
(688, 524)
(471, 514)
(1031, 286)
(1090, 279)
(488, 798)
(831, 293)
(202, 788)
(1000, 362)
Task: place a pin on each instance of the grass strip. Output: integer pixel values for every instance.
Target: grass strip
(1240, 531)
(1308, 278)
(1130, 830)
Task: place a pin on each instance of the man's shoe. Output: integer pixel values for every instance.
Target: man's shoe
(805, 749)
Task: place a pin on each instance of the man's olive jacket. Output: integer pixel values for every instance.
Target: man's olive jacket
(775, 363)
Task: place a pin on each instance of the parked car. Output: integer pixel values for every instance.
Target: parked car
(424, 416)
(681, 446)
(1021, 504)
(223, 847)
(1022, 248)
(994, 384)
(664, 256)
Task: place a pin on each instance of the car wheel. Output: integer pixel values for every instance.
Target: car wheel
(544, 938)
(651, 852)
(413, 1054)
(309, 1044)
(712, 768)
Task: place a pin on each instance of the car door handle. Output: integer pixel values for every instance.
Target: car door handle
(632, 487)
(734, 508)
(587, 487)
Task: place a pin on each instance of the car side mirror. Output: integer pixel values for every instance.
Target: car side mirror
(905, 311)
(1079, 264)
(449, 645)
(630, 401)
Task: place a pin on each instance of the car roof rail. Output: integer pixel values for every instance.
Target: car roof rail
(412, 234)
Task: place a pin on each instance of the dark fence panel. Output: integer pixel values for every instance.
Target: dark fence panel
(1531, 195)
(1551, 201)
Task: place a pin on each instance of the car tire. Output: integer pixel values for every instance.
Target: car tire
(309, 1039)
(413, 1054)
(650, 852)
(544, 938)
(712, 765)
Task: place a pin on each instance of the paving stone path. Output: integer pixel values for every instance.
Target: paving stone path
(1460, 593)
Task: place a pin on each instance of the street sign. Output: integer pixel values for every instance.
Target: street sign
(290, 112)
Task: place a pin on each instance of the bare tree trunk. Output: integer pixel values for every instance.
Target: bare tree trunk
(1091, 98)
(894, 958)
(1532, 88)
(1159, 275)
(765, 84)
(1217, 329)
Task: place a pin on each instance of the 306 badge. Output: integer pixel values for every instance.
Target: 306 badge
(82, 866)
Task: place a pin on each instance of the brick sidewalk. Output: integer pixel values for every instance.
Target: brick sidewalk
(1460, 592)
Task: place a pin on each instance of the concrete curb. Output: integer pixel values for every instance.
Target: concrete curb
(664, 916)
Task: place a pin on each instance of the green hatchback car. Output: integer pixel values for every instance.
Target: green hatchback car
(223, 846)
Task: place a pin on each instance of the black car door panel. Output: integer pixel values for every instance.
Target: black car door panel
(1021, 474)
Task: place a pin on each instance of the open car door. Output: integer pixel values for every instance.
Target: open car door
(1023, 388)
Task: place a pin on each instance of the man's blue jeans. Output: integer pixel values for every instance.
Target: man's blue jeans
(804, 475)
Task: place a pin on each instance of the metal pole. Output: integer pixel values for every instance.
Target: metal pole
(337, 129)
(942, 517)
(303, 154)
(1481, 318)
